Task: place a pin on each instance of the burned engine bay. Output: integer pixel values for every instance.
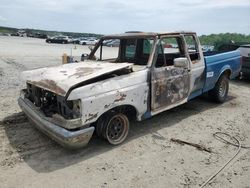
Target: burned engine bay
(51, 103)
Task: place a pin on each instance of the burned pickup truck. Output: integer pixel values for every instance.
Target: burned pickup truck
(147, 74)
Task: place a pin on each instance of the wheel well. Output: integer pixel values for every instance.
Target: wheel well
(128, 110)
(227, 73)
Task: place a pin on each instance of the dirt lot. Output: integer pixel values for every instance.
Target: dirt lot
(147, 159)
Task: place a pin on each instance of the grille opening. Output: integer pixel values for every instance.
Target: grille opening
(50, 103)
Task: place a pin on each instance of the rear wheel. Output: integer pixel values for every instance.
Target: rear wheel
(114, 127)
(220, 91)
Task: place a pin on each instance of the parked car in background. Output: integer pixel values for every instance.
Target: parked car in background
(89, 41)
(60, 40)
(37, 35)
(113, 43)
(245, 52)
(30, 35)
(83, 41)
(14, 34)
(40, 36)
(76, 40)
(104, 43)
(207, 48)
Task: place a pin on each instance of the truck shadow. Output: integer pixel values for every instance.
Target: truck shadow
(44, 155)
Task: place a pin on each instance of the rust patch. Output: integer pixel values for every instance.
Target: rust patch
(91, 117)
(48, 85)
(107, 106)
(121, 97)
(84, 71)
(171, 86)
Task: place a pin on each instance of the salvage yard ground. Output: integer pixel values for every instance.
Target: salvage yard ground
(147, 159)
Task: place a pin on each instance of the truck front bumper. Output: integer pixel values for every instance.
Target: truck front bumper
(67, 138)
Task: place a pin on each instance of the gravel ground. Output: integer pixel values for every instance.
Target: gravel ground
(147, 159)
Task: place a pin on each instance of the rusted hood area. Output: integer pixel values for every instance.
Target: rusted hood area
(60, 79)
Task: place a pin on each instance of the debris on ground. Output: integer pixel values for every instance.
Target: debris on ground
(198, 146)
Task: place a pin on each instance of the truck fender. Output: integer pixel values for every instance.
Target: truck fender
(224, 69)
(135, 97)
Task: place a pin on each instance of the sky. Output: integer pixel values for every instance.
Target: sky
(110, 16)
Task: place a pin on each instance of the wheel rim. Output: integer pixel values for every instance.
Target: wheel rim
(117, 129)
(223, 88)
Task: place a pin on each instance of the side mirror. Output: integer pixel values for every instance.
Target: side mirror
(84, 56)
(181, 62)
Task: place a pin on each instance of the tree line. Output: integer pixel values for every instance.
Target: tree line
(217, 40)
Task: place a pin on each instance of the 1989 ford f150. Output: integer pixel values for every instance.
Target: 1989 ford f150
(147, 74)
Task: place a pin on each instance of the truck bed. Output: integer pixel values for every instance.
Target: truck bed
(217, 62)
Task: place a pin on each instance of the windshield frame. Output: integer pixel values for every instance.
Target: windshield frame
(99, 44)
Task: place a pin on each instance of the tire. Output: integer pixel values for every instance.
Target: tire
(220, 92)
(114, 127)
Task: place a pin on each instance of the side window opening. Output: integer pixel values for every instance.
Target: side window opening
(192, 46)
(169, 49)
(108, 51)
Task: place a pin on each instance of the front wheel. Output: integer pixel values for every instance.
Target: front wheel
(220, 91)
(114, 127)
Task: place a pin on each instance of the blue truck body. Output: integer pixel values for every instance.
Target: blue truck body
(218, 63)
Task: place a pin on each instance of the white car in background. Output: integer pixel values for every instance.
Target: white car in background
(87, 41)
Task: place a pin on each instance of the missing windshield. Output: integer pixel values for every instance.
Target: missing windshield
(130, 50)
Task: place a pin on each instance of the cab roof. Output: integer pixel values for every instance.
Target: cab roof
(145, 34)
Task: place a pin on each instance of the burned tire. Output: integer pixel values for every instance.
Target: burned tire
(114, 127)
(220, 91)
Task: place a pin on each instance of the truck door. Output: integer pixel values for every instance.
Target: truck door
(197, 64)
(170, 83)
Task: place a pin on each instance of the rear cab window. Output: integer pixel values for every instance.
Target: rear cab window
(130, 48)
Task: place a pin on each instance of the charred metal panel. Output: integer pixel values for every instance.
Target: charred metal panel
(48, 84)
(197, 69)
(170, 85)
(97, 98)
(60, 79)
(94, 107)
(84, 71)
